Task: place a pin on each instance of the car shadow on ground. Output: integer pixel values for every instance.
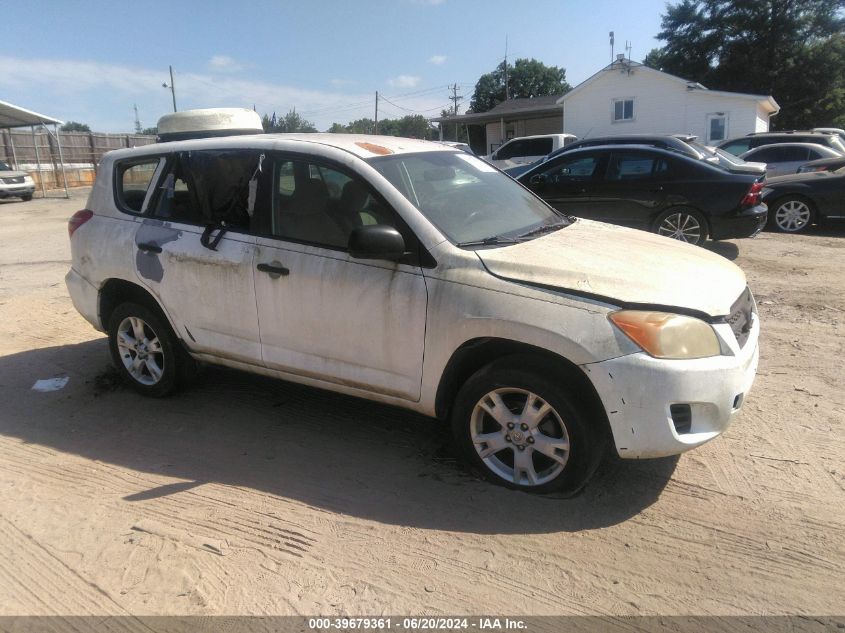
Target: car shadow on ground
(326, 450)
(728, 250)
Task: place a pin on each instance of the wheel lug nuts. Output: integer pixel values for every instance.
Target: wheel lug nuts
(522, 448)
(530, 440)
(507, 438)
(510, 425)
(524, 426)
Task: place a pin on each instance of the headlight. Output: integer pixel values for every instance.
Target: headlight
(667, 335)
(27, 180)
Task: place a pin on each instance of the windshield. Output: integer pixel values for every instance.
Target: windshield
(466, 198)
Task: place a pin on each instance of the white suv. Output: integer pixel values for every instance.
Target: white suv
(412, 274)
(15, 184)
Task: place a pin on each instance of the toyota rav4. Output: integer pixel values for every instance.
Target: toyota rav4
(416, 275)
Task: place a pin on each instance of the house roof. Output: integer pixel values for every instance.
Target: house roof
(766, 100)
(14, 116)
(512, 108)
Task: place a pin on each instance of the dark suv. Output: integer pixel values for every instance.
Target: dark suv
(741, 145)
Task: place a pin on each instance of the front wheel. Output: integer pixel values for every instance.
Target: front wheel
(144, 349)
(684, 225)
(523, 431)
(26, 197)
(791, 215)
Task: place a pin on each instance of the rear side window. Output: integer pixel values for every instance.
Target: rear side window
(215, 187)
(525, 147)
(736, 147)
(133, 181)
(634, 167)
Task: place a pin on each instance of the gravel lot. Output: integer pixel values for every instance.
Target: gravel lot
(246, 495)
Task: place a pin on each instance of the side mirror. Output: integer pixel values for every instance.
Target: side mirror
(538, 179)
(376, 241)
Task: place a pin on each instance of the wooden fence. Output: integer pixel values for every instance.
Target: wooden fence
(81, 151)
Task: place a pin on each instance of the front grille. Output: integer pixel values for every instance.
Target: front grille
(740, 317)
(15, 180)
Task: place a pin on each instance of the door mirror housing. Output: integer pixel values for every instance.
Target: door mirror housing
(376, 241)
(538, 179)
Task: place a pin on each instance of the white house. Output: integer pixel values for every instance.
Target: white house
(627, 97)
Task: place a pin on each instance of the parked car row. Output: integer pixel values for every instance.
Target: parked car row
(675, 186)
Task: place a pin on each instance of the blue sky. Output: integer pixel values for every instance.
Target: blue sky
(90, 61)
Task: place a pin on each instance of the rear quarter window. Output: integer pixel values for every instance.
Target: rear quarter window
(132, 180)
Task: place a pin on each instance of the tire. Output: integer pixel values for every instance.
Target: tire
(150, 366)
(791, 214)
(682, 224)
(27, 197)
(512, 457)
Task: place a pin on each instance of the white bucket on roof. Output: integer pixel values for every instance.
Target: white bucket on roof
(208, 122)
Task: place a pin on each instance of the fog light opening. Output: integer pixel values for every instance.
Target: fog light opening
(681, 417)
(738, 401)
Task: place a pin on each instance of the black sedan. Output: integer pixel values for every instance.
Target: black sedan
(796, 201)
(654, 189)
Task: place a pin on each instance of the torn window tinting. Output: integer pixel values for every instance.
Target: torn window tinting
(221, 180)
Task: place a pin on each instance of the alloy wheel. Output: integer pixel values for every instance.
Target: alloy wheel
(140, 350)
(792, 216)
(681, 226)
(519, 436)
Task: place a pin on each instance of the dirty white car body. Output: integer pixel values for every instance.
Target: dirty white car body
(414, 334)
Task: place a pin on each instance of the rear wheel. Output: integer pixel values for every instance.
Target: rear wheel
(523, 431)
(685, 225)
(144, 349)
(791, 214)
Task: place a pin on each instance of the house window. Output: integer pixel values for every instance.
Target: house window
(623, 110)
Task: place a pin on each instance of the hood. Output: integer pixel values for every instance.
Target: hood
(13, 174)
(626, 266)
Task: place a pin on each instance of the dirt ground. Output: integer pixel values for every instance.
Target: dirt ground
(246, 495)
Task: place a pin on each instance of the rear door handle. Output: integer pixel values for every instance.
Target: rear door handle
(149, 248)
(274, 269)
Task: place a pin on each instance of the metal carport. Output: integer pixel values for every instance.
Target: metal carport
(12, 116)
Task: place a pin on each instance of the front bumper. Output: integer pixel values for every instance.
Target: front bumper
(743, 223)
(638, 392)
(15, 191)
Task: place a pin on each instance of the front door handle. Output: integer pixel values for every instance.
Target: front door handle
(274, 269)
(149, 248)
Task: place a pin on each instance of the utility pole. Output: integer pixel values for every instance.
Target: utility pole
(137, 120)
(454, 99)
(611, 46)
(376, 126)
(628, 49)
(506, 67)
(172, 88)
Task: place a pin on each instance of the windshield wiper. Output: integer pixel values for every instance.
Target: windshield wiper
(493, 240)
(545, 228)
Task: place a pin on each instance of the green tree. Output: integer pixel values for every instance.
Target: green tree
(73, 126)
(791, 49)
(526, 78)
(150, 131)
(291, 122)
